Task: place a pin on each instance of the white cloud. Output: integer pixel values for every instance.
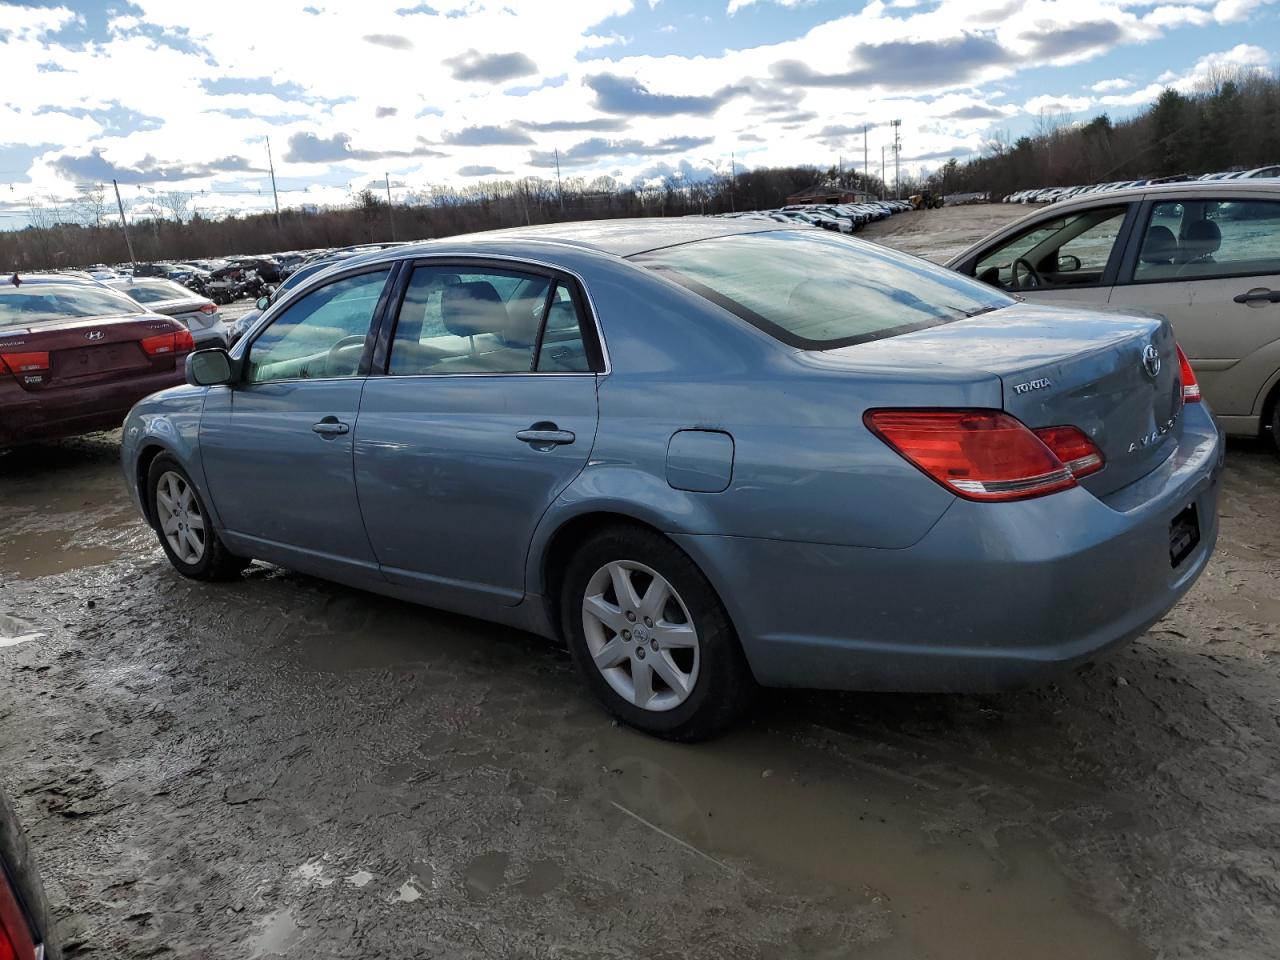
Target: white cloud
(1051, 104)
(1110, 86)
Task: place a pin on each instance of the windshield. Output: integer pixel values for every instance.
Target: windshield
(154, 291)
(32, 303)
(820, 290)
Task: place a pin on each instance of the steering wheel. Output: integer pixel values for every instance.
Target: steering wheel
(1030, 280)
(331, 359)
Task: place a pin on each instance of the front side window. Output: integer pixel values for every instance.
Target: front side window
(818, 290)
(1068, 251)
(322, 334)
(1199, 239)
(486, 321)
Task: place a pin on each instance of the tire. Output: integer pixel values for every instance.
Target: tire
(687, 637)
(1275, 425)
(168, 483)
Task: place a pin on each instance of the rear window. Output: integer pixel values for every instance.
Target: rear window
(154, 292)
(33, 303)
(819, 290)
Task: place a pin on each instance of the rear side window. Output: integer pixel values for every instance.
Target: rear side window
(819, 290)
(489, 321)
(1202, 239)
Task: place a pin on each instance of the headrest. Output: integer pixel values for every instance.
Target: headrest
(1203, 238)
(468, 309)
(1161, 246)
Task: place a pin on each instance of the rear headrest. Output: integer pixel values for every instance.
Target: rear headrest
(471, 308)
(1161, 246)
(1203, 238)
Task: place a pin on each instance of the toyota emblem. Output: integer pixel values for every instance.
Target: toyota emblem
(1151, 360)
(94, 335)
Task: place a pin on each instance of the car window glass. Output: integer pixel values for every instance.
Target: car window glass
(32, 303)
(1067, 251)
(481, 321)
(562, 349)
(1198, 239)
(320, 335)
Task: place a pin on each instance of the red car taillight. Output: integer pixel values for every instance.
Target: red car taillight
(31, 362)
(1073, 447)
(976, 454)
(1190, 386)
(208, 309)
(179, 341)
(15, 936)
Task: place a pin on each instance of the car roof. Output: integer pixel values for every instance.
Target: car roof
(621, 238)
(24, 279)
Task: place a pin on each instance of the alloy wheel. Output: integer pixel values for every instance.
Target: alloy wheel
(640, 635)
(181, 523)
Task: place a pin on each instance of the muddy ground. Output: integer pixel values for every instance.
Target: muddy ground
(281, 767)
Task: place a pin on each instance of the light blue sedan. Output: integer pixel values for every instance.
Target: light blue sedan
(709, 454)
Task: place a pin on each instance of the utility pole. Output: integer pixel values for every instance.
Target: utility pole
(897, 160)
(882, 180)
(391, 217)
(272, 167)
(125, 227)
(559, 185)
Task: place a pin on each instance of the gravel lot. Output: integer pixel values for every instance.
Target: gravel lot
(281, 767)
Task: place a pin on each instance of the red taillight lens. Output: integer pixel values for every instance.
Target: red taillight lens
(1073, 447)
(976, 454)
(154, 346)
(15, 937)
(32, 362)
(183, 342)
(208, 309)
(1190, 386)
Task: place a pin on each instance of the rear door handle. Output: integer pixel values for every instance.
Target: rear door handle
(330, 427)
(1258, 296)
(546, 437)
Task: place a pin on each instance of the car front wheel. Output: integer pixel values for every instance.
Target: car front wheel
(184, 526)
(651, 638)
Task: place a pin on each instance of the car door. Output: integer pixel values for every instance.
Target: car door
(1063, 257)
(277, 445)
(1211, 263)
(487, 412)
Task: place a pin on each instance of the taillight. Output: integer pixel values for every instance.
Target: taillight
(180, 341)
(15, 937)
(208, 309)
(1190, 386)
(1073, 447)
(976, 454)
(31, 362)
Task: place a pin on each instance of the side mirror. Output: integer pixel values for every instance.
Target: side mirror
(263, 302)
(209, 368)
(1067, 263)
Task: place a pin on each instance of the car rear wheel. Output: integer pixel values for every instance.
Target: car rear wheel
(184, 526)
(651, 638)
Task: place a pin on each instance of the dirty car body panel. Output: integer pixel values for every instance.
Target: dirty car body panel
(840, 562)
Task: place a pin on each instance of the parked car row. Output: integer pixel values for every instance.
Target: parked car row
(1054, 194)
(839, 217)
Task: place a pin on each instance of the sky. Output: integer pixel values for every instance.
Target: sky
(171, 95)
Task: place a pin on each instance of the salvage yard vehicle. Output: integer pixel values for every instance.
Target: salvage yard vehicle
(75, 356)
(709, 453)
(26, 931)
(198, 314)
(1205, 254)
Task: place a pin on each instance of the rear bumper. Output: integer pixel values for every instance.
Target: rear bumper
(994, 596)
(34, 416)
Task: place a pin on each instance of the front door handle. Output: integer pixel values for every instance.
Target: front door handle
(545, 437)
(330, 427)
(1259, 295)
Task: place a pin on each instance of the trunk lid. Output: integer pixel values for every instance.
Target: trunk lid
(1113, 375)
(68, 353)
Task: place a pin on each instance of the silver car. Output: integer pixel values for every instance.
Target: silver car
(708, 453)
(199, 314)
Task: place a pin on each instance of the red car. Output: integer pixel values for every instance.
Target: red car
(75, 356)
(25, 929)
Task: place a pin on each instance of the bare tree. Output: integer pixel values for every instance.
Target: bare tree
(90, 204)
(177, 203)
